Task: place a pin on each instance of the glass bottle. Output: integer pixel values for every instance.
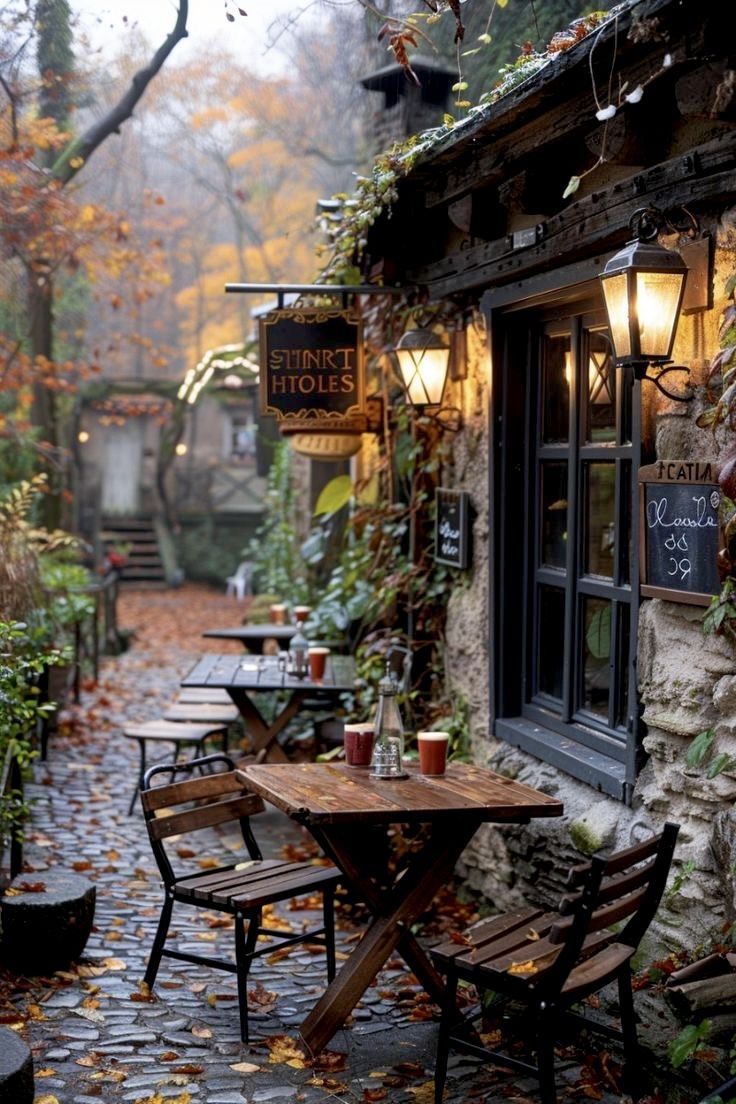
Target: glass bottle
(388, 726)
(298, 652)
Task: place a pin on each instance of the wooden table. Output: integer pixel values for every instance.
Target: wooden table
(254, 636)
(244, 676)
(344, 808)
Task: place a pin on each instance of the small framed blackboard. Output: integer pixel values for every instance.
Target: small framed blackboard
(452, 528)
(680, 530)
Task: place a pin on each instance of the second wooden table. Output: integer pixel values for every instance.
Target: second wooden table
(245, 676)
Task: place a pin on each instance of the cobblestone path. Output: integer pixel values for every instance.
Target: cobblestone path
(97, 1036)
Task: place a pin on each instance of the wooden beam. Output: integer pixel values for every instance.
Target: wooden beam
(512, 130)
(595, 222)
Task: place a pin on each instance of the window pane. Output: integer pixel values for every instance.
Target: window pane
(553, 523)
(596, 651)
(551, 641)
(600, 396)
(600, 515)
(556, 388)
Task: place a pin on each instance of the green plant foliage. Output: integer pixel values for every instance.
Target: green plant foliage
(275, 550)
(334, 495)
(688, 1043)
(720, 616)
(66, 602)
(700, 748)
(700, 753)
(23, 657)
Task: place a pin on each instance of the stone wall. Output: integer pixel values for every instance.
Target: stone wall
(687, 684)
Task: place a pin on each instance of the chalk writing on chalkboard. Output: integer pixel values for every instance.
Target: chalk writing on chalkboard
(680, 531)
(451, 528)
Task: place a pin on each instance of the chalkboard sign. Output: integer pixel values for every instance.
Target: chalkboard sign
(680, 530)
(312, 375)
(452, 529)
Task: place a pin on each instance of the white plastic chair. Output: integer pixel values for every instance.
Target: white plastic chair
(239, 584)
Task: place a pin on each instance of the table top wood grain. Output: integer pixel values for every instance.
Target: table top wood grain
(327, 793)
(239, 672)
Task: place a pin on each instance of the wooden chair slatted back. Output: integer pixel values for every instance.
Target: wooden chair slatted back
(602, 917)
(621, 860)
(612, 888)
(204, 816)
(205, 801)
(624, 886)
(191, 789)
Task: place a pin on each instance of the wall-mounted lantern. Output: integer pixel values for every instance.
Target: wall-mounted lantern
(643, 287)
(424, 357)
(424, 360)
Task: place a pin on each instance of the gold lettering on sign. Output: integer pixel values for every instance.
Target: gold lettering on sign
(293, 384)
(300, 360)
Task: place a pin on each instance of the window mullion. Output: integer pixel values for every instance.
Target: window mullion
(570, 665)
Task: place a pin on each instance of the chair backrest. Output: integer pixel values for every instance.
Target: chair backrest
(625, 887)
(243, 570)
(211, 798)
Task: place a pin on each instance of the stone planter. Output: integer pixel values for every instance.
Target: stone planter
(46, 921)
(16, 1069)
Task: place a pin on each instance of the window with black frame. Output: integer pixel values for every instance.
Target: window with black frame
(576, 697)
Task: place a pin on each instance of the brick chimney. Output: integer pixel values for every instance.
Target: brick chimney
(408, 109)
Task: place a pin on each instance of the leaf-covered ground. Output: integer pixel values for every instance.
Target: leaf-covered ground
(98, 1035)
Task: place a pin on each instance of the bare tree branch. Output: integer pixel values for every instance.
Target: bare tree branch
(80, 150)
(13, 109)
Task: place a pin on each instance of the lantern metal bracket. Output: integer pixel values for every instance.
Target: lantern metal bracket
(449, 418)
(641, 373)
(647, 222)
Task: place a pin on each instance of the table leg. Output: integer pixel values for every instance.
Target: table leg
(264, 735)
(394, 914)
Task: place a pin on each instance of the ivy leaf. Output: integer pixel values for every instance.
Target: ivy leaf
(700, 747)
(687, 1042)
(721, 763)
(572, 186)
(334, 495)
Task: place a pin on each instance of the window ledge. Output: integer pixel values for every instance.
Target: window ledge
(593, 767)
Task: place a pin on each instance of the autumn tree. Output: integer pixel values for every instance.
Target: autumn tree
(40, 161)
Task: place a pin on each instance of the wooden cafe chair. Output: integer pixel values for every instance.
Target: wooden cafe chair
(215, 797)
(549, 961)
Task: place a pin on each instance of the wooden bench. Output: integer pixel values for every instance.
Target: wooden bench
(549, 961)
(241, 889)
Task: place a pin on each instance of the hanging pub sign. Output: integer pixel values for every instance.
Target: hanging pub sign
(452, 528)
(312, 375)
(680, 531)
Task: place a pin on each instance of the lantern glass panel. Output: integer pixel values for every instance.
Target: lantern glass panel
(424, 372)
(657, 302)
(616, 295)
